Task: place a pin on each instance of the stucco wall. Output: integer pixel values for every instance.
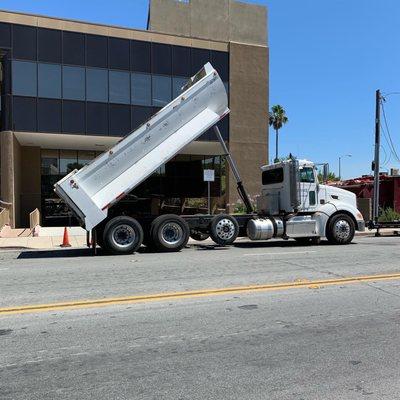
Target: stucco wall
(248, 140)
(222, 20)
(10, 174)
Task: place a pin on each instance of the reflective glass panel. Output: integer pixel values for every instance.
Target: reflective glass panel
(141, 89)
(49, 83)
(177, 84)
(73, 83)
(119, 87)
(162, 90)
(97, 85)
(24, 78)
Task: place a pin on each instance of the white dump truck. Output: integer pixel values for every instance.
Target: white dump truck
(292, 204)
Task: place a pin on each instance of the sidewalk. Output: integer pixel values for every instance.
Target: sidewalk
(77, 238)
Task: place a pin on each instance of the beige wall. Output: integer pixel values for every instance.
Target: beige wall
(20, 178)
(248, 140)
(10, 174)
(221, 20)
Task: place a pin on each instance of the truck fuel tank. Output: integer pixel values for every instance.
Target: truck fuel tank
(265, 228)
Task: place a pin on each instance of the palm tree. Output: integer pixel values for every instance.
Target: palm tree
(277, 118)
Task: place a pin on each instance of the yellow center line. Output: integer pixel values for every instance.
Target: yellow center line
(69, 305)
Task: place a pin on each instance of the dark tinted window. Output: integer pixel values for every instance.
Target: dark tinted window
(200, 57)
(24, 78)
(5, 35)
(96, 51)
(73, 83)
(73, 117)
(97, 84)
(49, 45)
(24, 114)
(97, 118)
(141, 89)
(7, 66)
(224, 128)
(49, 81)
(24, 42)
(220, 61)
(118, 53)
(73, 48)
(307, 175)
(272, 176)
(181, 61)
(140, 56)
(119, 82)
(162, 90)
(49, 115)
(140, 115)
(120, 120)
(161, 58)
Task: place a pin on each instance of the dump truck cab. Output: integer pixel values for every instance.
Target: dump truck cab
(291, 190)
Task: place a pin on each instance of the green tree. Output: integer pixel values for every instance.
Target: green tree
(277, 118)
(331, 177)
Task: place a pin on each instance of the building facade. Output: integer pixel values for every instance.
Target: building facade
(70, 90)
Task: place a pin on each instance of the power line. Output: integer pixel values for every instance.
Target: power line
(391, 146)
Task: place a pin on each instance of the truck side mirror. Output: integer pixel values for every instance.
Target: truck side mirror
(325, 172)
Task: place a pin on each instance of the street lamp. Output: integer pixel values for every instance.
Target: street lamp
(340, 167)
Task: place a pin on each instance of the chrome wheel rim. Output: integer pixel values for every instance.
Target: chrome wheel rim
(171, 233)
(225, 229)
(123, 235)
(342, 229)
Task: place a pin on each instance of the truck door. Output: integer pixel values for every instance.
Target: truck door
(308, 189)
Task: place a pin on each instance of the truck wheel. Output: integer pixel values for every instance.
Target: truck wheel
(340, 229)
(200, 236)
(169, 232)
(224, 229)
(122, 235)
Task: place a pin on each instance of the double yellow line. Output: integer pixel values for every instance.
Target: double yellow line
(70, 305)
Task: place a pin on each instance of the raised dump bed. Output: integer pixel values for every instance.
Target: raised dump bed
(92, 190)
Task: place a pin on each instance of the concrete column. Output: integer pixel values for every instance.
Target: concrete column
(10, 174)
(248, 140)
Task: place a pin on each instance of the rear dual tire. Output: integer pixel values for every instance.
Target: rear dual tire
(122, 235)
(168, 233)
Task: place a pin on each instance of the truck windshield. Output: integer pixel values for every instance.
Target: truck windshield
(307, 175)
(272, 176)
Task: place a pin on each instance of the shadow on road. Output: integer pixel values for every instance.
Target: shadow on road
(71, 253)
(278, 243)
(62, 253)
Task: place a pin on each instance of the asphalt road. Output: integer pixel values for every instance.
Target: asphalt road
(339, 341)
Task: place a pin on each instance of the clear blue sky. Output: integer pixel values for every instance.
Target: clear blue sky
(327, 59)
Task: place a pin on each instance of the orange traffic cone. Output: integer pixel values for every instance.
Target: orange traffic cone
(65, 242)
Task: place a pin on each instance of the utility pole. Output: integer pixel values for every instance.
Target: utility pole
(376, 160)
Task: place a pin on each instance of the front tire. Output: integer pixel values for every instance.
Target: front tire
(169, 233)
(224, 229)
(340, 229)
(122, 235)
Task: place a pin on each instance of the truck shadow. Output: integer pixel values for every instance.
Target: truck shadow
(62, 253)
(278, 243)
